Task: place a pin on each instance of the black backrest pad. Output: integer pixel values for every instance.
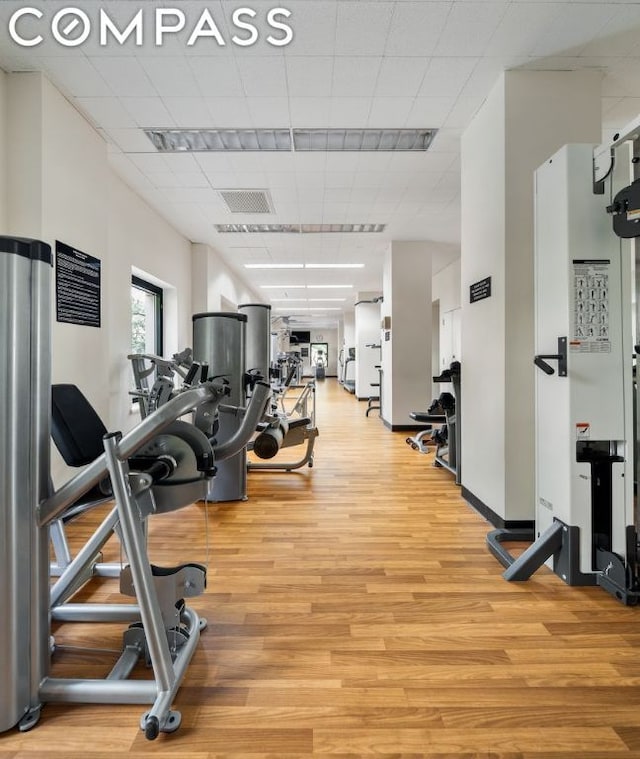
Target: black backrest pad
(76, 428)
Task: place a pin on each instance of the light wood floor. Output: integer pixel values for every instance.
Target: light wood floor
(354, 611)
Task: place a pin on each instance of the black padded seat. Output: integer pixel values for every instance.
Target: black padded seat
(422, 416)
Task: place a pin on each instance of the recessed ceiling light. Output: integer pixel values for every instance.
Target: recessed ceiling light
(288, 300)
(363, 139)
(329, 287)
(274, 266)
(216, 140)
(326, 300)
(283, 287)
(334, 266)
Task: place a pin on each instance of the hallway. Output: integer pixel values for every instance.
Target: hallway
(354, 611)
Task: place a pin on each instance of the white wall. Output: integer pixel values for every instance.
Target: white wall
(3, 151)
(446, 287)
(406, 357)
(215, 286)
(62, 188)
(367, 323)
(526, 117)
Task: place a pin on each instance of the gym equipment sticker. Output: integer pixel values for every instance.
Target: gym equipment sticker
(590, 333)
(77, 287)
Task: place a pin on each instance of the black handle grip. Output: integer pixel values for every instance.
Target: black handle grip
(542, 364)
(560, 357)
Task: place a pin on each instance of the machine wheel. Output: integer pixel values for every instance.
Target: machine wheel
(408, 441)
(151, 728)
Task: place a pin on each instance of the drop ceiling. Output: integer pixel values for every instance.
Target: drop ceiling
(352, 64)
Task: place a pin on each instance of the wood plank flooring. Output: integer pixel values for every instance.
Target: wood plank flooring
(354, 611)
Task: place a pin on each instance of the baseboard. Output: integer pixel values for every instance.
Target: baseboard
(491, 516)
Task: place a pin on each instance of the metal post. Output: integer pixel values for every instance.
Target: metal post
(25, 282)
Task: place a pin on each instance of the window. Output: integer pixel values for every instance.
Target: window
(146, 317)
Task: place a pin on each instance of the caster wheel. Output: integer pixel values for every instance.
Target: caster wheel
(408, 441)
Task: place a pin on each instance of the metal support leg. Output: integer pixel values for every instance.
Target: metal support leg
(535, 556)
(134, 544)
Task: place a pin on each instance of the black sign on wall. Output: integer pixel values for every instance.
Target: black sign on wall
(77, 286)
(480, 290)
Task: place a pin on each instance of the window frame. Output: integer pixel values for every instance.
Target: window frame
(158, 293)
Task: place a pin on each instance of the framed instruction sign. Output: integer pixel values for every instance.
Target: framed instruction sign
(77, 287)
(480, 290)
(590, 333)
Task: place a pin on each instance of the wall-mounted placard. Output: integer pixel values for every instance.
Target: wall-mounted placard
(77, 287)
(480, 290)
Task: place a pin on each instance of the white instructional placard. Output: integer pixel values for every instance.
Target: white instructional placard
(590, 331)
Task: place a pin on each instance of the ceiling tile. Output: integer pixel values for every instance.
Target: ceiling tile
(389, 112)
(619, 37)
(351, 112)
(521, 27)
(430, 112)
(416, 27)
(315, 27)
(573, 27)
(106, 112)
(401, 77)
(463, 111)
(269, 111)
(216, 75)
(355, 76)
(469, 27)
(171, 76)
(263, 76)
(362, 27)
(229, 112)
(76, 76)
(189, 112)
(309, 76)
(309, 112)
(446, 77)
(125, 76)
(129, 140)
(148, 112)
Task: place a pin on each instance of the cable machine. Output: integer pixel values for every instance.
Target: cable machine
(585, 424)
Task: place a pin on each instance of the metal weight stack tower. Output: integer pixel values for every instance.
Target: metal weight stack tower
(219, 342)
(25, 344)
(257, 349)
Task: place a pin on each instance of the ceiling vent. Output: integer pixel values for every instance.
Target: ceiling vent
(247, 201)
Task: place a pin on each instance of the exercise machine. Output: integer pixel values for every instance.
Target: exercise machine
(585, 528)
(164, 632)
(349, 383)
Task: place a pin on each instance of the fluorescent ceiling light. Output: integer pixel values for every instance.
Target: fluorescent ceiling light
(274, 266)
(258, 228)
(295, 309)
(297, 229)
(334, 266)
(283, 287)
(250, 139)
(216, 140)
(343, 228)
(329, 287)
(326, 300)
(363, 139)
(289, 300)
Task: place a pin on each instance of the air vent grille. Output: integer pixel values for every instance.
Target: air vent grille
(297, 229)
(247, 201)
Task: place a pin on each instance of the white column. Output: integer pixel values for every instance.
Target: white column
(406, 345)
(367, 331)
(3, 153)
(527, 116)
